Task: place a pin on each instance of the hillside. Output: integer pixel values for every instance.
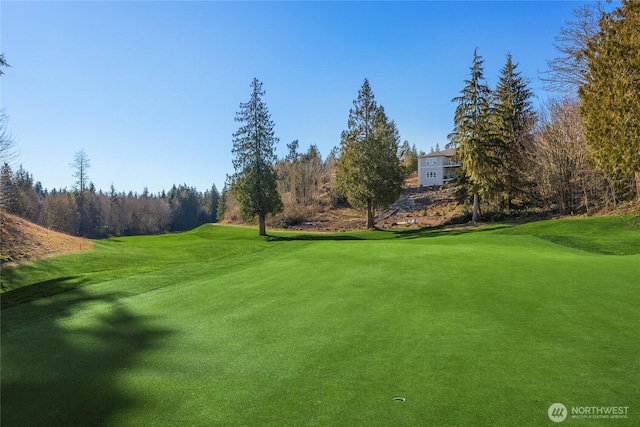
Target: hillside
(417, 206)
(22, 240)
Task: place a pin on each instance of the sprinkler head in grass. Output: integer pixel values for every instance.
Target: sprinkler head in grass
(398, 399)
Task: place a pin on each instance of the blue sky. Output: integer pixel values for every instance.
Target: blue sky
(149, 90)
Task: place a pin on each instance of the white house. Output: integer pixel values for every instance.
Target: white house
(436, 168)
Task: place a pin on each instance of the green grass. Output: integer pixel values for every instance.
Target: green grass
(220, 327)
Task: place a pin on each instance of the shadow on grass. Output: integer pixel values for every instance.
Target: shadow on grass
(63, 355)
(385, 234)
(312, 236)
(40, 290)
(17, 275)
(442, 231)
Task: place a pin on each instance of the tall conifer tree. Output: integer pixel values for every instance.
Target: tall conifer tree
(255, 180)
(611, 96)
(513, 117)
(369, 172)
(473, 136)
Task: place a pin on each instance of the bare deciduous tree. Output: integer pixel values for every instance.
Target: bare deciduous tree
(3, 63)
(565, 180)
(81, 166)
(6, 142)
(567, 71)
(7, 153)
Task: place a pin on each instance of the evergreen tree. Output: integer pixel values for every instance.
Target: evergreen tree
(414, 158)
(514, 118)
(611, 96)
(473, 137)
(222, 201)
(7, 191)
(114, 225)
(184, 202)
(409, 157)
(255, 180)
(292, 155)
(369, 172)
(212, 199)
(292, 172)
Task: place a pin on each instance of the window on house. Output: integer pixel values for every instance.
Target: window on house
(432, 174)
(432, 161)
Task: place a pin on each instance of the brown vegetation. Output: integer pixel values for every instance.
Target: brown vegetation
(416, 207)
(24, 241)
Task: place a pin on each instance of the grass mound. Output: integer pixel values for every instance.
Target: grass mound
(129, 257)
(25, 241)
(614, 235)
(218, 326)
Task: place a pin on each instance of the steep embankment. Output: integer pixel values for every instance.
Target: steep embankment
(21, 240)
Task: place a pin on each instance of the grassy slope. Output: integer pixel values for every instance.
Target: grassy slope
(219, 327)
(21, 240)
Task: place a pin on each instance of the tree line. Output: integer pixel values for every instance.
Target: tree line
(367, 170)
(515, 158)
(88, 212)
(578, 152)
(575, 154)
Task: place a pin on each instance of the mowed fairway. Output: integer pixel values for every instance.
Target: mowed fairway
(220, 327)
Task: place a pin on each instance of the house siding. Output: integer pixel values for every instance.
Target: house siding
(436, 168)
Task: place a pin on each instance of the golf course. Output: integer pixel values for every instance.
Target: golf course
(218, 326)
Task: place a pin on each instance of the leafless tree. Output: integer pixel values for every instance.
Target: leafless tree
(7, 152)
(6, 142)
(567, 71)
(3, 63)
(60, 213)
(565, 179)
(81, 166)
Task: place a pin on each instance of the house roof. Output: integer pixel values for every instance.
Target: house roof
(445, 153)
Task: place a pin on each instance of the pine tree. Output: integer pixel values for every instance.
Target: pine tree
(409, 157)
(369, 172)
(611, 96)
(213, 198)
(255, 180)
(414, 158)
(514, 118)
(473, 136)
(6, 188)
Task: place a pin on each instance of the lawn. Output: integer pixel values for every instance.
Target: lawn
(218, 326)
